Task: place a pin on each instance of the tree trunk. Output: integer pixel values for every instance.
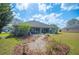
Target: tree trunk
(0, 30)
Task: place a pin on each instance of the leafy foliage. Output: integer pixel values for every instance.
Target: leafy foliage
(21, 29)
(9, 28)
(5, 15)
(55, 28)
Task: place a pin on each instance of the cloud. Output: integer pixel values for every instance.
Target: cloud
(52, 18)
(31, 19)
(14, 13)
(43, 7)
(69, 6)
(17, 15)
(77, 17)
(22, 6)
(38, 16)
(53, 15)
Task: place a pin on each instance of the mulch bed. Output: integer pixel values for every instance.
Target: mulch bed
(18, 50)
(57, 49)
(60, 49)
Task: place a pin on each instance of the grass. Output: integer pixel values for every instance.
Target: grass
(7, 45)
(4, 34)
(71, 39)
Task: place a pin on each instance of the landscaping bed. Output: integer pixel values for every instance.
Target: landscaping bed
(42, 46)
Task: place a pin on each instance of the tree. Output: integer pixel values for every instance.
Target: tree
(9, 28)
(72, 22)
(22, 29)
(54, 28)
(5, 15)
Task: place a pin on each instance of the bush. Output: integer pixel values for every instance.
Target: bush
(55, 29)
(21, 30)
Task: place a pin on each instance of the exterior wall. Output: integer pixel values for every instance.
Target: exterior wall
(39, 30)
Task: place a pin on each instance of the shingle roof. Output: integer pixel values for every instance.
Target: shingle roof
(38, 24)
(74, 26)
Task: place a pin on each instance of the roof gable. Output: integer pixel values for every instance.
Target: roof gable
(38, 24)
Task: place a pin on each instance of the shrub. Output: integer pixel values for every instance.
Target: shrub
(22, 29)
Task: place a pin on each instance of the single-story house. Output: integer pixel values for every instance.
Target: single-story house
(39, 27)
(72, 28)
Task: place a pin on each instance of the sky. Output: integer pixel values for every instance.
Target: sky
(49, 13)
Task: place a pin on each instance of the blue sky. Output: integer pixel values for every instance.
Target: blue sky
(49, 13)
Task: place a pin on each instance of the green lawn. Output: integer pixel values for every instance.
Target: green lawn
(4, 34)
(71, 39)
(7, 45)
